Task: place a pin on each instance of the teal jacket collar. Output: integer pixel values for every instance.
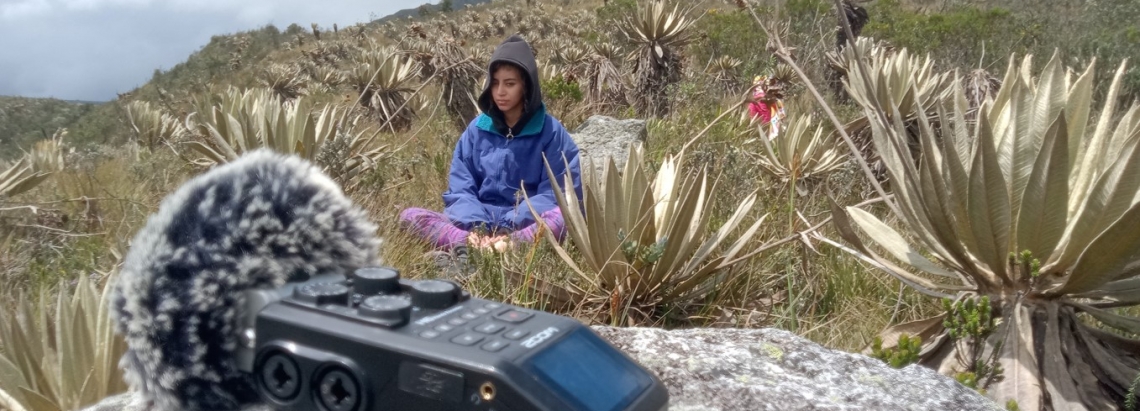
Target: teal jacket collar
(533, 126)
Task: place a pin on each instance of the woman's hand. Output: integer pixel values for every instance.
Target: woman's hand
(489, 242)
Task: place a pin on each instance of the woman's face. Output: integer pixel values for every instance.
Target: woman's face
(507, 88)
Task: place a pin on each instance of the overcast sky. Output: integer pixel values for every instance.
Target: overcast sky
(92, 49)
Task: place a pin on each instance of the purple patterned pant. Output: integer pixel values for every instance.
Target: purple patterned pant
(435, 227)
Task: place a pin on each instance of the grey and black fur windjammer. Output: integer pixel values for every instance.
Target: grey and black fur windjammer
(260, 221)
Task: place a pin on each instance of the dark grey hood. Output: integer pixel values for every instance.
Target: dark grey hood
(516, 51)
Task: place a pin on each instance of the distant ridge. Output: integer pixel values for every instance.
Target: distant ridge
(415, 12)
(25, 120)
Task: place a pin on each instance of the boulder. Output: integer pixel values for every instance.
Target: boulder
(601, 137)
(760, 369)
(770, 369)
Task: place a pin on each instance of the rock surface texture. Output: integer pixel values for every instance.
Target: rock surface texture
(601, 137)
(769, 369)
(761, 369)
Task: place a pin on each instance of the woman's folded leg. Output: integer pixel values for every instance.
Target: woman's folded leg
(434, 227)
(551, 218)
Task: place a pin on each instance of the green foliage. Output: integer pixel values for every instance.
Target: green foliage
(954, 37)
(969, 317)
(1132, 396)
(659, 35)
(614, 12)
(1025, 263)
(23, 121)
(1104, 30)
(558, 88)
(1108, 32)
(800, 8)
(103, 125)
(1011, 405)
(970, 321)
(641, 254)
(901, 355)
(84, 255)
(732, 33)
(968, 379)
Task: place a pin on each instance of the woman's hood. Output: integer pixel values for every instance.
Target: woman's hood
(516, 51)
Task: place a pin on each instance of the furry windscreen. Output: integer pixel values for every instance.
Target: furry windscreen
(261, 221)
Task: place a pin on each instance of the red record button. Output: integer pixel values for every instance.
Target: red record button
(513, 316)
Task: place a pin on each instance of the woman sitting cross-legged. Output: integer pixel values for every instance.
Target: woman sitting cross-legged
(498, 159)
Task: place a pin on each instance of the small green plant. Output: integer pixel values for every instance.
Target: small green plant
(969, 317)
(641, 254)
(1133, 396)
(970, 323)
(968, 379)
(1011, 405)
(1025, 263)
(901, 355)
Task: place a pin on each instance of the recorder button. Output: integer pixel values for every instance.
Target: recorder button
(513, 316)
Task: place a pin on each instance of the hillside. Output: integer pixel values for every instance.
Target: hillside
(434, 7)
(24, 120)
(956, 34)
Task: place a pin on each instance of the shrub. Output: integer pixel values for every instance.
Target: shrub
(1027, 180)
(902, 354)
(643, 241)
(59, 352)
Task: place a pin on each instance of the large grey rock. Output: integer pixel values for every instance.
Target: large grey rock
(769, 369)
(601, 137)
(761, 369)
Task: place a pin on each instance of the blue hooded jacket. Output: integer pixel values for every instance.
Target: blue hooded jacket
(494, 164)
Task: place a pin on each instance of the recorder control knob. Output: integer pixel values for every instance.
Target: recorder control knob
(376, 280)
(322, 293)
(434, 294)
(390, 308)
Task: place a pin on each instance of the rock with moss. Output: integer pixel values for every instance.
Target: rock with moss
(761, 369)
